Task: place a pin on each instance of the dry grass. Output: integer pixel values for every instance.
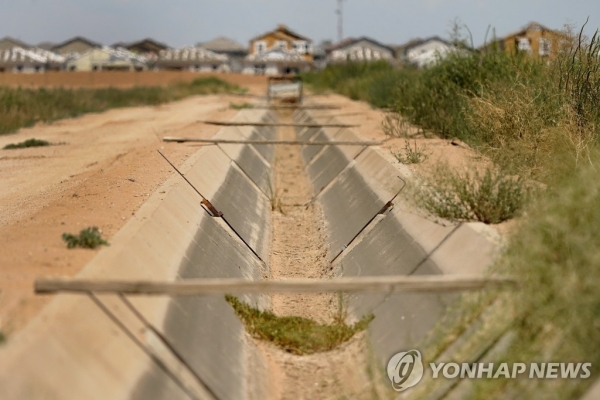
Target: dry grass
(490, 197)
(411, 155)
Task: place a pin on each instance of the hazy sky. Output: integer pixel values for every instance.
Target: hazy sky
(186, 22)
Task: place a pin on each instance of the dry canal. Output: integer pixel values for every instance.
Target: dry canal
(290, 211)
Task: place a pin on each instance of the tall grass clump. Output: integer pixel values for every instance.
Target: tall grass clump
(373, 82)
(21, 107)
(557, 262)
(490, 197)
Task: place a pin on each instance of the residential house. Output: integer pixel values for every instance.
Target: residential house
(534, 39)
(48, 46)
(107, 59)
(362, 49)
(281, 51)
(145, 47)
(232, 49)
(425, 52)
(7, 43)
(275, 62)
(18, 59)
(75, 46)
(192, 59)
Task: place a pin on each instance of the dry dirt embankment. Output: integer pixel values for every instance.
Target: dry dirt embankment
(104, 169)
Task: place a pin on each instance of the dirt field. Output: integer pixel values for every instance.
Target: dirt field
(123, 79)
(103, 169)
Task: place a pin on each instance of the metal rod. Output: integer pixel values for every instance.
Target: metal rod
(197, 287)
(276, 124)
(265, 142)
(385, 207)
(212, 210)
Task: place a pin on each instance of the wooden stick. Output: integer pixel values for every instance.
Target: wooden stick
(291, 142)
(292, 107)
(277, 124)
(195, 287)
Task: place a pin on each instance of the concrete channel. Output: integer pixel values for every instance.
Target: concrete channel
(112, 347)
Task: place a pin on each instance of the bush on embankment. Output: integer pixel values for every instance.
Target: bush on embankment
(532, 117)
(21, 107)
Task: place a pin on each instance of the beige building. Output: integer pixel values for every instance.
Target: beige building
(283, 40)
(195, 59)
(534, 39)
(7, 43)
(107, 59)
(77, 45)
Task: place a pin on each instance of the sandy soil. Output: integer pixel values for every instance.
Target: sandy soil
(103, 170)
(298, 249)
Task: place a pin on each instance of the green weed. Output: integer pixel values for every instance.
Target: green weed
(295, 335)
(88, 238)
(27, 143)
(491, 197)
(411, 155)
(242, 106)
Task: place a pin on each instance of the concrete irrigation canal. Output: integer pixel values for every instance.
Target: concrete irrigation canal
(289, 211)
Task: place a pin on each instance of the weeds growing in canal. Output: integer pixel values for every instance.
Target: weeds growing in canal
(275, 199)
(242, 106)
(296, 335)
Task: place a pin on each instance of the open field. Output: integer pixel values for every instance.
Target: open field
(123, 79)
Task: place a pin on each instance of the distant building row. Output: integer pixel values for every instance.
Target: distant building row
(276, 52)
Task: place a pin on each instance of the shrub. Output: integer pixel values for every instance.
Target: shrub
(27, 143)
(295, 335)
(491, 197)
(410, 155)
(88, 238)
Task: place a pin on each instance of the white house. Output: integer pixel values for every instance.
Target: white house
(107, 58)
(193, 59)
(426, 52)
(275, 62)
(18, 59)
(362, 49)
